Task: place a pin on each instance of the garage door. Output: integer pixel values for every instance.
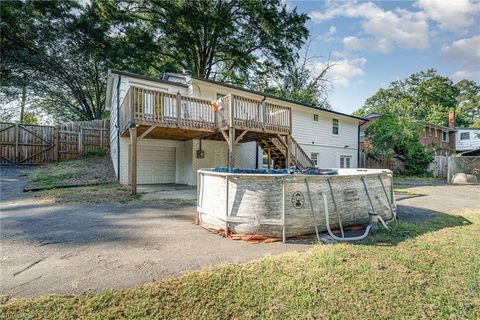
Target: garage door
(155, 165)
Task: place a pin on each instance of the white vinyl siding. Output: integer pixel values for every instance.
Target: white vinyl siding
(461, 141)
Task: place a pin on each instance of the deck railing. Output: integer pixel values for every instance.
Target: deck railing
(155, 107)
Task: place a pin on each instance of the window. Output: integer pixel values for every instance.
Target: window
(445, 136)
(345, 161)
(335, 126)
(424, 133)
(315, 117)
(314, 157)
(465, 136)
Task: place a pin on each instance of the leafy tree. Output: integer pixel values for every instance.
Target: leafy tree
(60, 46)
(215, 39)
(423, 96)
(392, 136)
(297, 81)
(468, 99)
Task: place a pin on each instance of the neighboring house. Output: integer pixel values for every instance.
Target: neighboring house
(433, 137)
(168, 129)
(467, 139)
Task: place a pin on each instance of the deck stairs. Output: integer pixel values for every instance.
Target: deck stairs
(277, 147)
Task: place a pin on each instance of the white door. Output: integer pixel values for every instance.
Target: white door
(155, 165)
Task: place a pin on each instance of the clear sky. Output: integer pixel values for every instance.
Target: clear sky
(374, 43)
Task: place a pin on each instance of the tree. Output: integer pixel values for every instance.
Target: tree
(297, 81)
(423, 96)
(216, 39)
(392, 136)
(468, 99)
(60, 46)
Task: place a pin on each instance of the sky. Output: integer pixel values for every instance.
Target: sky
(373, 43)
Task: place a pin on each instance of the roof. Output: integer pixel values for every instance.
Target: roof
(373, 115)
(467, 128)
(436, 125)
(139, 76)
(227, 85)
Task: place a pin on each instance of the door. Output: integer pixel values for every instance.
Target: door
(155, 165)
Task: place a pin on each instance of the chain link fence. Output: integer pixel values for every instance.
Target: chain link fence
(463, 169)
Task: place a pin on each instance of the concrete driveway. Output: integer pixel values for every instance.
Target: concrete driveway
(67, 249)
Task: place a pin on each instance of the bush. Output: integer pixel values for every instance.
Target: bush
(391, 136)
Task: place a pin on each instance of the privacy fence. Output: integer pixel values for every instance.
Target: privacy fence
(36, 144)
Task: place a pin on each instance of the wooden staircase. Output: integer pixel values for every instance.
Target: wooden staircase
(277, 147)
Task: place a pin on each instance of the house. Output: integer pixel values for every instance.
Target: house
(434, 137)
(467, 139)
(164, 129)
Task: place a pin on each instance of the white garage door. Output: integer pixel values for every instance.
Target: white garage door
(155, 165)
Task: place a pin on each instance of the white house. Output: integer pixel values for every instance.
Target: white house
(467, 139)
(168, 129)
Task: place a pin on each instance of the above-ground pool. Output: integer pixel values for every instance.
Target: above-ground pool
(277, 204)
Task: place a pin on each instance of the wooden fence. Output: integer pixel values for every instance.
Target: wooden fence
(35, 144)
(438, 166)
(366, 160)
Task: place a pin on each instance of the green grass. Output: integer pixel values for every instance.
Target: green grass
(427, 270)
(89, 170)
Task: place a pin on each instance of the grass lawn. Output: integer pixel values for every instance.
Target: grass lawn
(427, 270)
(78, 172)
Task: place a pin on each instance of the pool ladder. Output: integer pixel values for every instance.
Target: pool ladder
(373, 217)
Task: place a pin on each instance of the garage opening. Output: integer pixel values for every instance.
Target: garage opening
(155, 165)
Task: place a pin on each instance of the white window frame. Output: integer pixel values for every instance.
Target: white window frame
(343, 162)
(314, 157)
(466, 133)
(335, 124)
(445, 136)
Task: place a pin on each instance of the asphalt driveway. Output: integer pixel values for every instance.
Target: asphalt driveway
(64, 249)
(72, 248)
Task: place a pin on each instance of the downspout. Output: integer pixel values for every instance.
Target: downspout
(256, 155)
(118, 127)
(358, 141)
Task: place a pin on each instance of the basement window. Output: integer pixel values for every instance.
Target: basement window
(345, 161)
(314, 157)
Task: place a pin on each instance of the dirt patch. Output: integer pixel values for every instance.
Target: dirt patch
(71, 173)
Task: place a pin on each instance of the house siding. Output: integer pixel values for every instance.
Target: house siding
(329, 147)
(470, 144)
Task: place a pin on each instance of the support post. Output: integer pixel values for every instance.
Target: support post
(80, 141)
(287, 148)
(231, 147)
(226, 208)
(179, 108)
(56, 143)
(284, 233)
(101, 138)
(268, 157)
(133, 159)
(264, 115)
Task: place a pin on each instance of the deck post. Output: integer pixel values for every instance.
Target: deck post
(231, 147)
(179, 108)
(268, 157)
(133, 159)
(287, 148)
(264, 115)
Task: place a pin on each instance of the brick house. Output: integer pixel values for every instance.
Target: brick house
(434, 137)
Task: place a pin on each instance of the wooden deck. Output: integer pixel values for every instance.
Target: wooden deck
(193, 117)
(159, 115)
